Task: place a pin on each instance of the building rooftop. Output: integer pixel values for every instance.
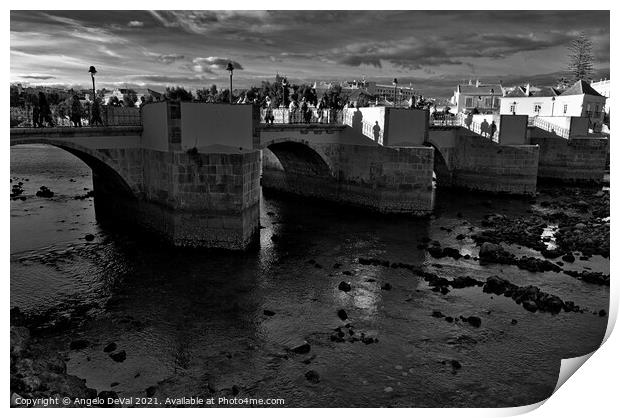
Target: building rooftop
(479, 89)
(521, 91)
(581, 87)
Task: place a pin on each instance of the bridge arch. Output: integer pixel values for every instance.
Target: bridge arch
(300, 158)
(443, 174)
(107, 175)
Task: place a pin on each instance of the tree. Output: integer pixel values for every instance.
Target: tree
(130, 98)
(580, 56)
(178, 93)
(113, 101)
(203, 94)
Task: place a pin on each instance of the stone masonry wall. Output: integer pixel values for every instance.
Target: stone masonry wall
(481, 164)
(389, 180)
(194, 200)
(579, 160)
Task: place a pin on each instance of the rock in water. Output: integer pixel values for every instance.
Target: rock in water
(89, 237)
(109, 348)
(313, 377)
(268, 312)
(569, 258)
(530, 305)
(302, 348)
(119, 357)
(344, 286)
(342, 314)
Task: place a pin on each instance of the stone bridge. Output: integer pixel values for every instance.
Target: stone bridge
(192, 171)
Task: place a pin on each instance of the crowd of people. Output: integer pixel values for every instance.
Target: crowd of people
(42, 112)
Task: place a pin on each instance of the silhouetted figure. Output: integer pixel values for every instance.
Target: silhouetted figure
(269, 112)
(468, 120)
(305, 113)
(95, 118)
(45, 113)
(319, 110)
(292, 111)
(484, 128)
(376, 130)
(76, 112)
(492, 129)
(356, 121)
(36, 114)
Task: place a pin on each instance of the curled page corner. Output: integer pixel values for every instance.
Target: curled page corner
(569, 366)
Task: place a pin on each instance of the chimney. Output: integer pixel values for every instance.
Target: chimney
(527, 89)
(477, 83)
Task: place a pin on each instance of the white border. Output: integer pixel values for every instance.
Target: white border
(591, 392)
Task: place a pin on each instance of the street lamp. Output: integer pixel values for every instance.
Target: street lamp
(92, 72)
(552, 105)
(492, 91)
(514, 108)
(395, 82)
(230, 69)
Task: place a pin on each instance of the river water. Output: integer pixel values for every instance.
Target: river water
(193, 322)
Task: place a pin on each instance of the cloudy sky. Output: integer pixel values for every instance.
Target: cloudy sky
(191, 48)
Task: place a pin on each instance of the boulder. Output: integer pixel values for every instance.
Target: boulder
(119, 357)
(344, 286)
(302, 348)
(342, 314)
(312, 377)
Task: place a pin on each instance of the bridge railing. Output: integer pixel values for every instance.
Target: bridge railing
(313, 115)
(22, 117)
(368, 130)
(550, 127)
(440, 119)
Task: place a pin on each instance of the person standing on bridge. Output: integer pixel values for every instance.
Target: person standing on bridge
(36, 113)
(76, 111)
(484, 128)
(45, 113)
(492, 129)
(376, 130)
(96, 113)
(292, 111)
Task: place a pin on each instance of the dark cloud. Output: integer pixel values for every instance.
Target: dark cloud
(37, 77)
(170, 58)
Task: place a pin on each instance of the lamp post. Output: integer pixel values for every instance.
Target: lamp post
(395, 82)
(492, 91)
(552, 105)
(92, 72)
(514, 108)
(230, 69)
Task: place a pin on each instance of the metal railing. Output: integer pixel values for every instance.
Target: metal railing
(550, 127)
(440, 119)
(296, 116)
(369, 130)
(22, 117)
(487, 132)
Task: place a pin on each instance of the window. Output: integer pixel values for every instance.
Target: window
(488, 102)
(565, 108)
(537, 108)
(469, 102)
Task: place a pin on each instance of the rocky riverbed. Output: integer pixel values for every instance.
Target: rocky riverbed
(473, 306)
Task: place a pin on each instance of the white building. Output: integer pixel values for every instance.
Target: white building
(579, 100)
(485, 98)
(603, 87)
(383, 91)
